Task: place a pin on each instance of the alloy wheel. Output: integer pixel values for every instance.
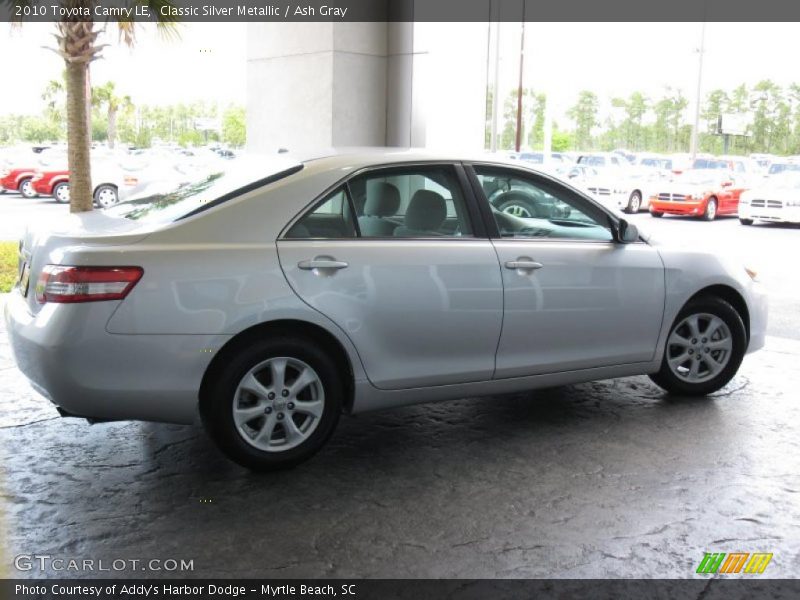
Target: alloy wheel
(699, 348)
(278, 404)
(518, 210)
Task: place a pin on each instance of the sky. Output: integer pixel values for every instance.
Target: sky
(208, 62)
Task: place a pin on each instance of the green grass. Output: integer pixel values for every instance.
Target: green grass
(9, 253)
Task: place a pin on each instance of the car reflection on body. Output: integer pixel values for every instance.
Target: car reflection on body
(270, 297)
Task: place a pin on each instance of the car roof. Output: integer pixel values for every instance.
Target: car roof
(355, 158)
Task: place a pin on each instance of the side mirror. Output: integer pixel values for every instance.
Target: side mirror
(627, 232)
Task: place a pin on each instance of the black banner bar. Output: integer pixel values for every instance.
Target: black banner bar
(725, 588)
(402, 10)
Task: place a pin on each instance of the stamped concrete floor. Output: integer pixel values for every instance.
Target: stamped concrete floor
(609, 479)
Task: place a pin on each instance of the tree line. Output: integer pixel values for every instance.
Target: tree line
(658, 124)
(115, 118)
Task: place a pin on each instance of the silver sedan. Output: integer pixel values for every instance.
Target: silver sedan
(270, 297)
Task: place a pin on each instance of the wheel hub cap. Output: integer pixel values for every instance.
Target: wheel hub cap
(699, 348)
(278, 404)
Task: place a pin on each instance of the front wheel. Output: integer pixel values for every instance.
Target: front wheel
(634, 203)
(704, 348)
(656, 214)
(711, 210)
(746, 221)
(274, 404)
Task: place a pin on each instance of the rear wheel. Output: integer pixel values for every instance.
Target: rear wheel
(274, 404)
(711, 210)
(634, 202)
(746, 221)
(26, 188)
(105, 195)
(61, 193)
(704, 348)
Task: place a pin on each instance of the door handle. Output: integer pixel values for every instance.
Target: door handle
(524, 265)
(321, 263)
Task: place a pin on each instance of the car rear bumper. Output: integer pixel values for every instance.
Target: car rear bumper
(66, 353)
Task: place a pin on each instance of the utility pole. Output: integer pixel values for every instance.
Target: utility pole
(518, 143)
(496, 88)
(701, 52)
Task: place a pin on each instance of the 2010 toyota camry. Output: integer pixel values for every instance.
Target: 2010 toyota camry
(267, 299)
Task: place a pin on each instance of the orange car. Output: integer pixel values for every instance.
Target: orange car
(704, 193)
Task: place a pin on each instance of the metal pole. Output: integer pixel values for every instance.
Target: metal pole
(519, 88)
(701, 52)
(496, 90)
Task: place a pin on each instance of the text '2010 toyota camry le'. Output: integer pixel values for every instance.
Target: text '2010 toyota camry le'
(270, 298)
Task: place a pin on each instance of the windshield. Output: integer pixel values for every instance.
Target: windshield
(164, 201)
(532, 157)
(699, 177)
(776, 168)
(593, 161)
(658, 163)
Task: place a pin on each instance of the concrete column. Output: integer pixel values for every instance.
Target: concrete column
(315, 85)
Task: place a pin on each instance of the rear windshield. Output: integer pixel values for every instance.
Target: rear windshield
(164, 201)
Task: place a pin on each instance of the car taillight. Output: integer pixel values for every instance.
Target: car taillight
(68, 285)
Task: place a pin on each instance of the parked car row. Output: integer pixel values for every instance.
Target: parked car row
(116, 175)
(704, 187)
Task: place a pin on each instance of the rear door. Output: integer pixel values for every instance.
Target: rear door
(398, 259)
(574, 298)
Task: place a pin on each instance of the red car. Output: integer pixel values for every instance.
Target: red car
(52, 183)
(704, 193)
(18, 180)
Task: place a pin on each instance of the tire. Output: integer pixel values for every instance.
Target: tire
(517, 208)
(634, 202)
(656, 214)
(746, 221)
(711, 210)
(258, 439)
(26, 188)
(720, 358)
(105, 195)
(61, 192)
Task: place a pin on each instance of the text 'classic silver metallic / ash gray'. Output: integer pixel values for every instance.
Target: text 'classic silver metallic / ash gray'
(269, 298)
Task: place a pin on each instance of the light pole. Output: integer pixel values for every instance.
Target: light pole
(701, 51)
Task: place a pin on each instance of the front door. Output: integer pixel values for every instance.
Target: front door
(574, 298)
(394, 259)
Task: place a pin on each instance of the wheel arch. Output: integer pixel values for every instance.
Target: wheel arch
(732, 297)
(290, 327)
(105, 183)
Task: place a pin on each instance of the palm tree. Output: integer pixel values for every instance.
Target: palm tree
(105, 95)
(77, 45)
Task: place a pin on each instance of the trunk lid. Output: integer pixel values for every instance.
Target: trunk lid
(54, 244)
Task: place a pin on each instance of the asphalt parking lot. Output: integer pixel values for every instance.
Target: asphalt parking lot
(607, 479)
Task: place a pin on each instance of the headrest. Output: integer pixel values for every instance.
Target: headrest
(383, 199)
(426, 211)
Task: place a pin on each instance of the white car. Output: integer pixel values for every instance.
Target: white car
(777, 201)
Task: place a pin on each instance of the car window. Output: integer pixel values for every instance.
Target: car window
(526, 208)
(415, 202)
(331, 219)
